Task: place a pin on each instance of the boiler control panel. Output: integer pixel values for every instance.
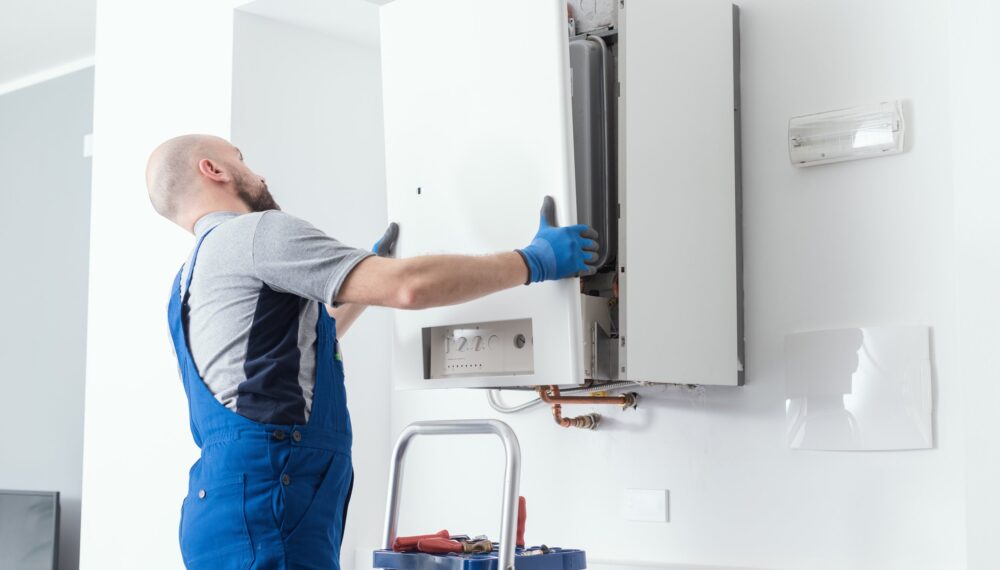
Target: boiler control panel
(496, 348)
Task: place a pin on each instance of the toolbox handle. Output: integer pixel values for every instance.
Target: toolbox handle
(511, 477)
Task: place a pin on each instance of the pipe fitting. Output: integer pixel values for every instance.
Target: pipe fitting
(588, 421)
(631, 400)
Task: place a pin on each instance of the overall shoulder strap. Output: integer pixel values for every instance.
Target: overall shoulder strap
(190, 272)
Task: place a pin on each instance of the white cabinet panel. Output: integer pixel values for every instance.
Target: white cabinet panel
(679, 199)
(477, 131)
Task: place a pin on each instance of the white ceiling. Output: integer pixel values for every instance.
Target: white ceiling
(38, 35)
(353, 20)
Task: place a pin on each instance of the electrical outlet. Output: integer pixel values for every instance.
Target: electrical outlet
(647, 505)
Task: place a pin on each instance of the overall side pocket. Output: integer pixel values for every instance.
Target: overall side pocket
(323, 515)
(213, 528)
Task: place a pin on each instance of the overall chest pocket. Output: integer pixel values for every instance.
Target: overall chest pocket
(213, 531)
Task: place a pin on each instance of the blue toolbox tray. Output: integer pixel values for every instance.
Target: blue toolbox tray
(556, 559)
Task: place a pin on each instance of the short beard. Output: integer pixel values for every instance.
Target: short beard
(259, 202)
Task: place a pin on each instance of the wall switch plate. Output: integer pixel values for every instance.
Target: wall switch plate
(647, 505)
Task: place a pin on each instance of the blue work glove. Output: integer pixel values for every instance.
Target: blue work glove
(385, 244)
(557, 252)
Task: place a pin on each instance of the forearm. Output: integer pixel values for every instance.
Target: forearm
(345, 315)
(439, 280)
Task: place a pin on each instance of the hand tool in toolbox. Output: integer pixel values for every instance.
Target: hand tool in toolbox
(441, 542)
(409, 543)
(444, 546)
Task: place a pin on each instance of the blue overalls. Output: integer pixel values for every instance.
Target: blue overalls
(267, 497)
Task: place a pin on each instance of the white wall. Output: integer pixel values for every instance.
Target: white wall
(861, 243)
(45, 191)
(975, 91)
(165, 69)
(307, 114)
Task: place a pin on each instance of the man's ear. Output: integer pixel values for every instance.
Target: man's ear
(212, 171)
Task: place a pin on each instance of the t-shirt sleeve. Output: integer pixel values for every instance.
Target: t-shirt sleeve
(293, 256)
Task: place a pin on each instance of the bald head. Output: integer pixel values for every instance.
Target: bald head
(172, 171)
(191, 175)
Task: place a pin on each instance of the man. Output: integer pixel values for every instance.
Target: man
(254, 315)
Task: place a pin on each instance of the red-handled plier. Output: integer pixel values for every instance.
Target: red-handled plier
(409, 543)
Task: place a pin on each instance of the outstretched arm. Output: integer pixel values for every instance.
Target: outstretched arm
(439, 280)
(431, 281)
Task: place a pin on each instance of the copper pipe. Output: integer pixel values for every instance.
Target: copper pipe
(551, 396)
(588, 421)
(623, 400)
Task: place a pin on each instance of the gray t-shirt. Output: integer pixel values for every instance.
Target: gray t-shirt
(253, 309)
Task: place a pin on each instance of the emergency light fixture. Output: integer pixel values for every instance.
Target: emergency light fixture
(847, 134)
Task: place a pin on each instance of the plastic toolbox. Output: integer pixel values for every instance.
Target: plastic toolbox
(556, 559)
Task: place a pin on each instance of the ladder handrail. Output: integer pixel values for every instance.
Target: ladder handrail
(511, 479)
